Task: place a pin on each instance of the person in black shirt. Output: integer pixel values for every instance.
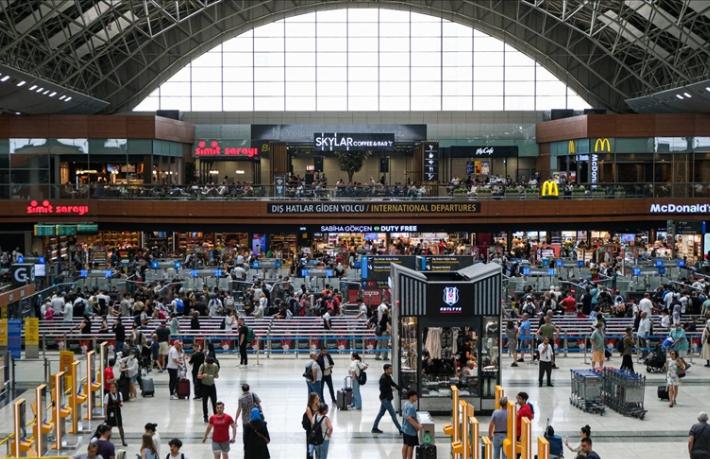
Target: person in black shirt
(120, 332)
(243, 331)
(325, 361)
(386, 397)
(196, 360)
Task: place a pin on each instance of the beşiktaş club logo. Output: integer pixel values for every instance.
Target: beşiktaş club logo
(451, 298)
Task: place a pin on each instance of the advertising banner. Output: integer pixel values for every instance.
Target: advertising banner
(374, 208)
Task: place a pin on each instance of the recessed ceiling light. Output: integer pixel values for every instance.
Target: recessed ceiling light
(45, 92)
(687, 94)
(5, 78)
(33, 87)
(62, 97)
(707, 88)
(67, 99)
(54, 93)
(18, 113)
(21, 83)
(679, 96)
(40, 89)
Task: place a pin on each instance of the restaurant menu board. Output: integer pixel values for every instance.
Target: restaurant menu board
(377, 268)
(443, 263)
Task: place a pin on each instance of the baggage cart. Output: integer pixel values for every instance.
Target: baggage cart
(586, 392)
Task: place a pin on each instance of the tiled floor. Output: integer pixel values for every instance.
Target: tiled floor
(662, 435)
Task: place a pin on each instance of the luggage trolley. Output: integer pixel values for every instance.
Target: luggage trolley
(624, 392)
(587, 391)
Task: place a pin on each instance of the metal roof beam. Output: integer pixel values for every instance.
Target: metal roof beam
(86, 20)
(661, 19)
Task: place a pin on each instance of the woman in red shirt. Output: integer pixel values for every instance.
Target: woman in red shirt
(525, 411)
(109, 377)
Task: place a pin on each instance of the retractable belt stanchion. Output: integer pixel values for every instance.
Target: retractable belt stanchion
(91, 386)
(103, 356)
(452, 430)
(60, 411)
(22, 443)
(543, 448)
(41, 428)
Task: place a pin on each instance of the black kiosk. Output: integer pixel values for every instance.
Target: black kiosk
(446, 331)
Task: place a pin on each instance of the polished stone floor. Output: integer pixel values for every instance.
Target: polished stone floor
(661, 435)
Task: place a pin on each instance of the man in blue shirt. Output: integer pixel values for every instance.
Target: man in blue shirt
(524, 336)
(410, 425)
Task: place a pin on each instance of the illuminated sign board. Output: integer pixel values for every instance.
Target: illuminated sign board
(212, 148)
(679, 208)
(601, 145)
(47, 208)
(374, 208)
(333, 141)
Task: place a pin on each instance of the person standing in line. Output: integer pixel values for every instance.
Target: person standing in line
(113, 401)
(206, 375)
(175, 361)
(307, 421)
(545, 369)
(705, 352)
(147, 448)
(103, 442)
(325, 361)
(680, 340)
(243, 332)
(356, 367)
(386, 397)
(163, 335)
(256, 437)
(511, 333)
(314, 375)
(525, 411)
(321, 418)
(524, 336)
(498, 428)
(674, 367)
(151, 429)
(109, 377)
(410, 425)
(627, 362)
(699, 438)
(597, 340)
(175, 444)
(247, 401)
(196, 360)
(220, 423)
(644, 333)
(587, 450)
(120, 332)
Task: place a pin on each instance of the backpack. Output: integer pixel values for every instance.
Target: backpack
(315, 436)
(179, 306)
(306, 422)
(362, 377)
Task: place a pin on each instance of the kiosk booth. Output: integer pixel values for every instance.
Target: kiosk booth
(446, 332)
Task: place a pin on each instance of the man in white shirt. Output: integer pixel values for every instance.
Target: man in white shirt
(646, 305)
(68, 311)
(381, 310)
(175, 361)
(58, 303)
(644, 332)
(545, 350)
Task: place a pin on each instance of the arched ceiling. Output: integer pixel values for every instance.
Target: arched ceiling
(118, 51)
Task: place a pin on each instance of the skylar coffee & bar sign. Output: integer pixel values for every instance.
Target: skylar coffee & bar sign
(374, 208)
(339, 141)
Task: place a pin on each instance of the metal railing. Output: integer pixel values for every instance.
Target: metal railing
(607, 190)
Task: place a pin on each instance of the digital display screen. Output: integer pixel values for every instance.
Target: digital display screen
(628, 238)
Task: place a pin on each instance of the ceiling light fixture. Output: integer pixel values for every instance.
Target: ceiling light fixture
(687, 94)
(40, 89)
(679, 96)
(21, 83)
(707, 88)
(33, 87)
(5, 78)
(45, 92)
(54, 93)
(62, 97)
(67, 99)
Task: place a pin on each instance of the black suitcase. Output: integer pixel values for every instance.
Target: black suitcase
(663, 392)
(147, 387)
(426, 452)
(343, 399)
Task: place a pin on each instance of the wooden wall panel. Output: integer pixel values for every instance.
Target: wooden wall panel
(567, 128)
(174, 130)
(279, 159)
(109, 127)
(68, 127)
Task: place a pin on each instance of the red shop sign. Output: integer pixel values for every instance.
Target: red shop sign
(47, 208)
(215, 149)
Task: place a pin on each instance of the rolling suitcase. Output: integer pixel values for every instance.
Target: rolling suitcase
(426, 452)
(147, 387)
(121, 454)
(344, 397)
(663, 392)
(183, 388)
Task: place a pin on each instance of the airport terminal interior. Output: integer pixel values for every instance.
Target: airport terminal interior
(470, 229)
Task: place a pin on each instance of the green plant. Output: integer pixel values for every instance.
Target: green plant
(351, 161)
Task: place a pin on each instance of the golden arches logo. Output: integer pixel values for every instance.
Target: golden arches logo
(602, 145)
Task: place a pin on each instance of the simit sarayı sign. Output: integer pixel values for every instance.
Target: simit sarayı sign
(680, 208)
(214, 149)
(47, 208)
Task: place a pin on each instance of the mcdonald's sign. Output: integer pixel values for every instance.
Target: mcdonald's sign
(571, 148)
(602, 145)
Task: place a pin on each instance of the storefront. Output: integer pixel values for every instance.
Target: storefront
(446, 331)
(483, 161)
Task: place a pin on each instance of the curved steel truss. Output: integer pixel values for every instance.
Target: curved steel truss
(120, 50)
